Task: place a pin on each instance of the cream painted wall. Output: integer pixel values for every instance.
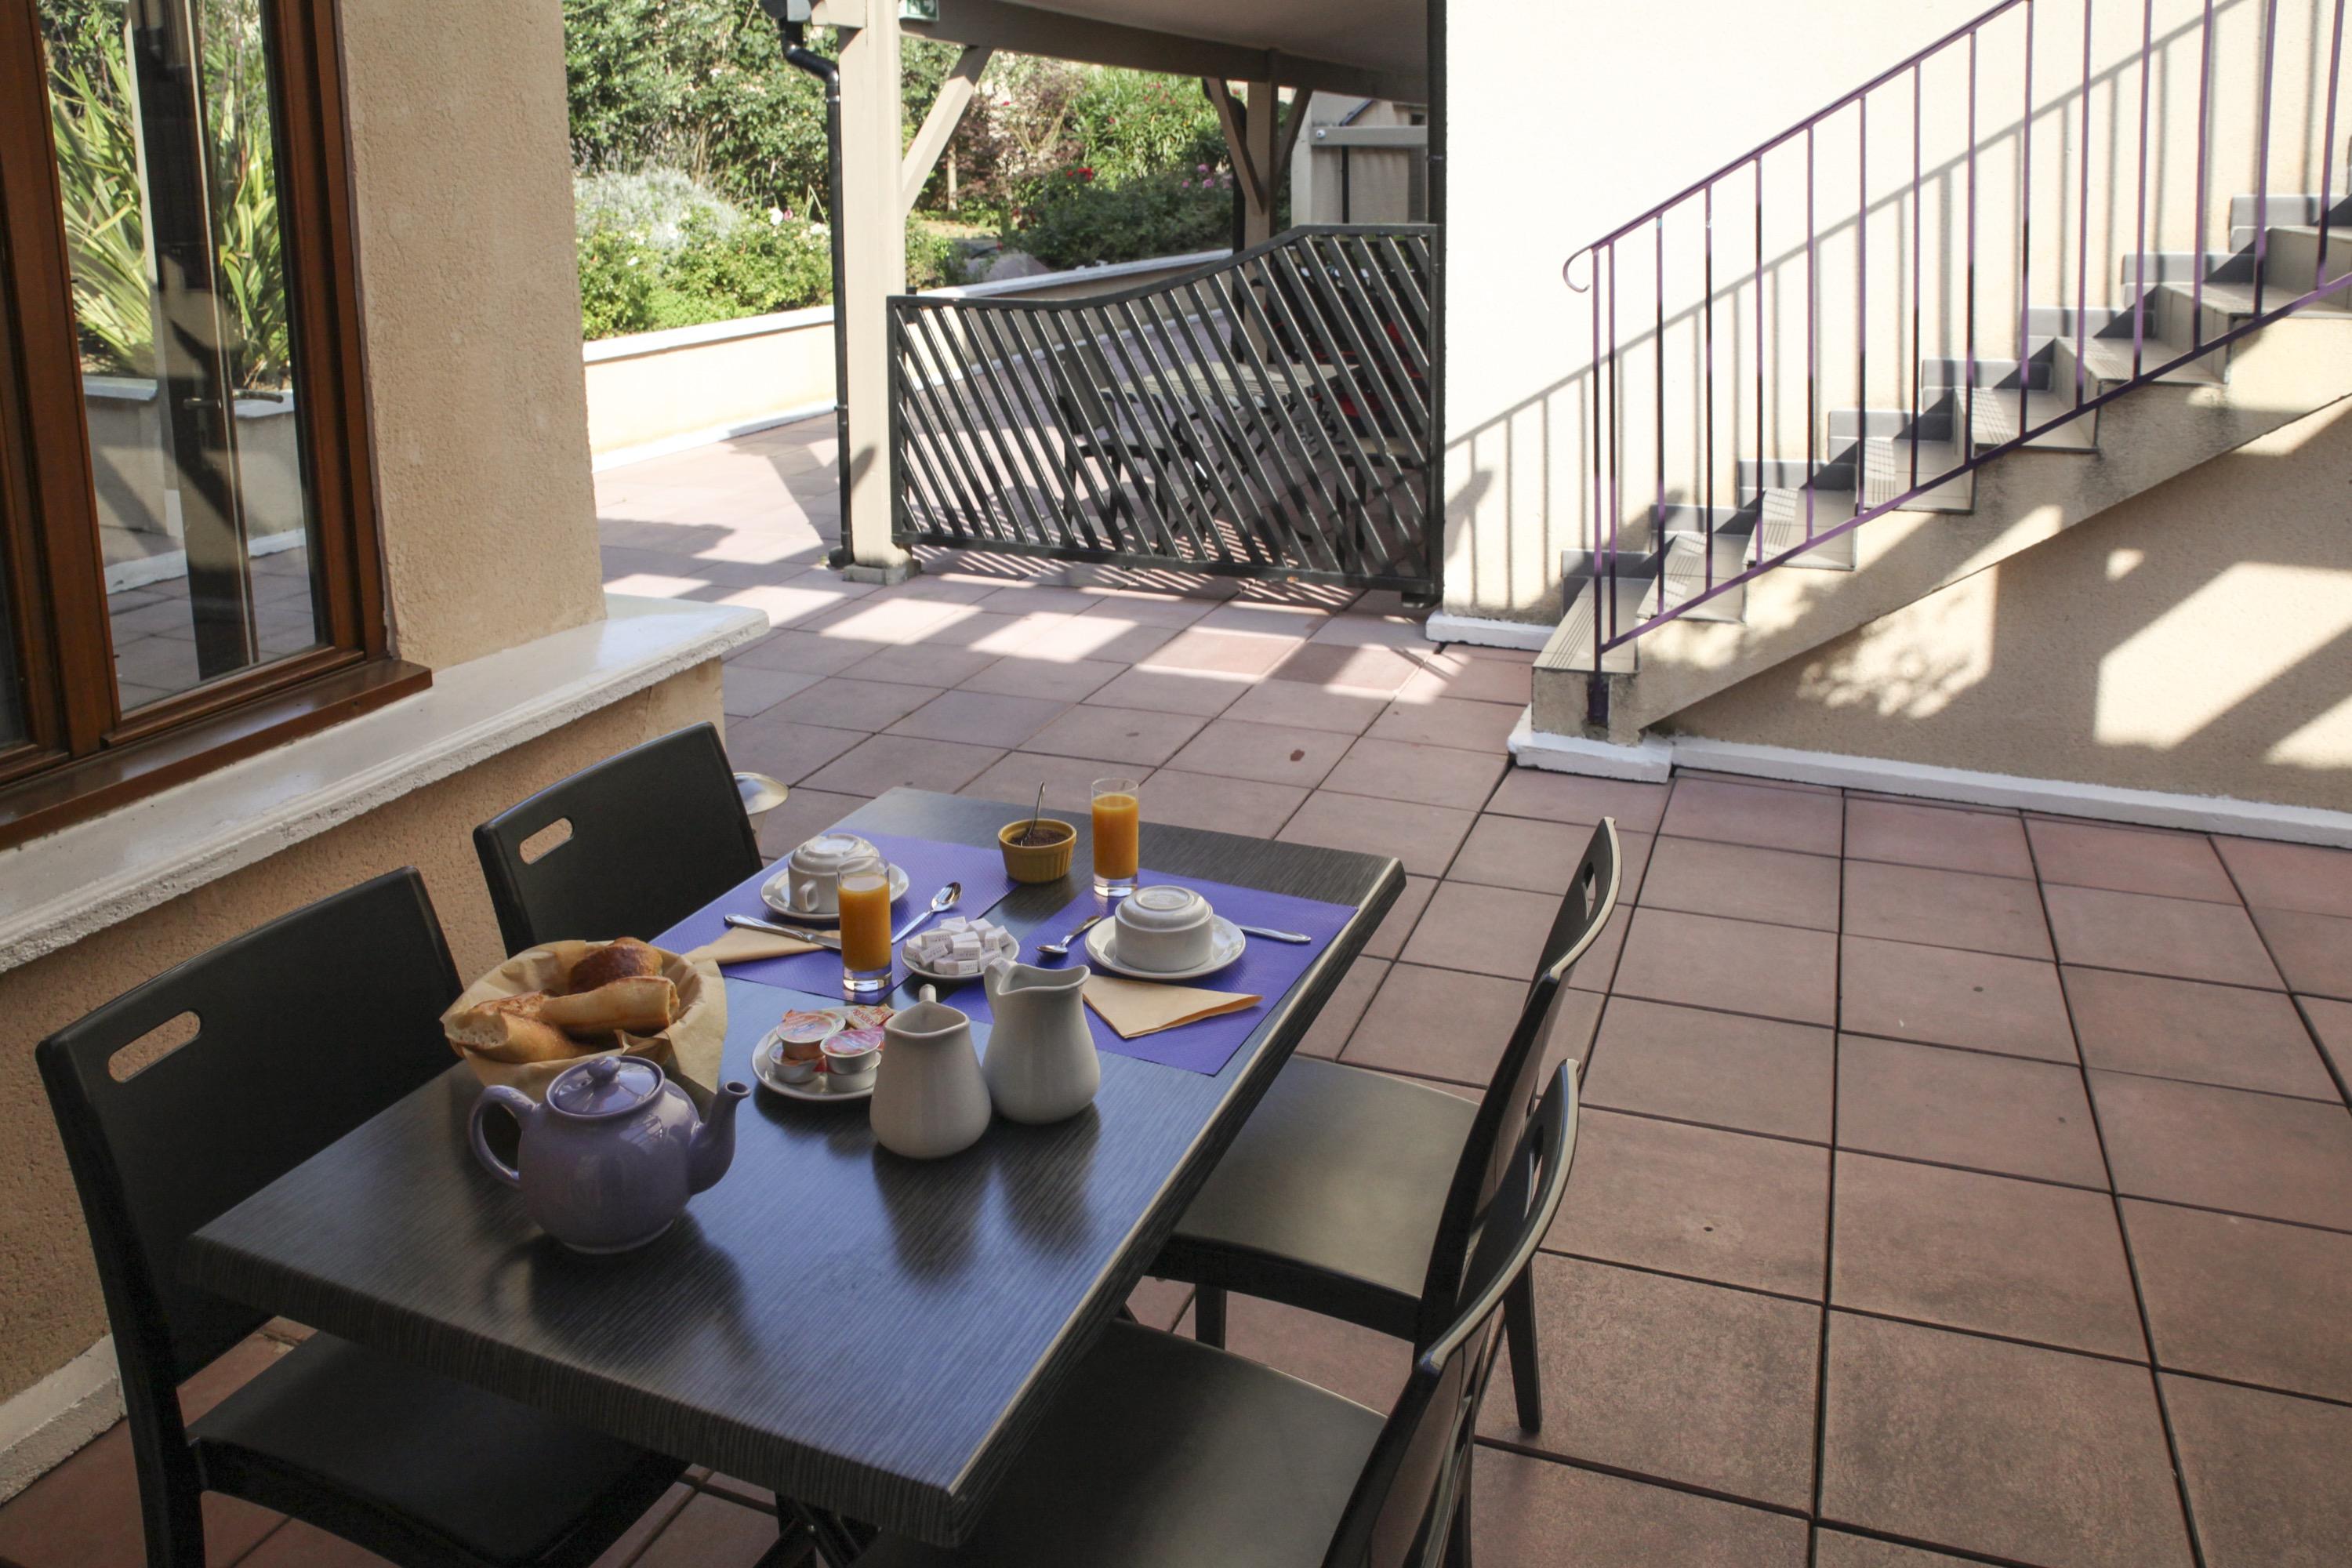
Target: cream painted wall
(2198, 639)
(462, 176)
(50, 1299)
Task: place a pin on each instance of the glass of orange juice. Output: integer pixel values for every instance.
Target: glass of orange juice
(865, 927)
(1119, 821)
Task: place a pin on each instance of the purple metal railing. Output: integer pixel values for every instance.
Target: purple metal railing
(1614, 562)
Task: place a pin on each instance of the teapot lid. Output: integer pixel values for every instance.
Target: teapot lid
(603, 1086)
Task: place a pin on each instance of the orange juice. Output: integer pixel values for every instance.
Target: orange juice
(1117, 823)
(865, 920)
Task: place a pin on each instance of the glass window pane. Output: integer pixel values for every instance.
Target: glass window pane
(12, 690)
(167, 162)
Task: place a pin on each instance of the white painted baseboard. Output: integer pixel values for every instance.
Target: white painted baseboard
(1480, 631)
(1655, 759)
(47, 1423)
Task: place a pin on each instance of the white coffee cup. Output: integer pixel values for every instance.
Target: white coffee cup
(1164, 928)
(815, 871)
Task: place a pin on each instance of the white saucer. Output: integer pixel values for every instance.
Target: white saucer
(1225, 945)
(783, 905)
(934, 977)
(818, 1088)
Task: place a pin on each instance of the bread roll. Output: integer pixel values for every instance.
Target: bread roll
(624, 959)
(500, 1032)
(643, 1006)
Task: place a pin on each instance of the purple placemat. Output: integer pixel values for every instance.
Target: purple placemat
(930, 866)
(1266, 969)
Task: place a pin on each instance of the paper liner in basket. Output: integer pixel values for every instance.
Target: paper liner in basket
(688, 1050)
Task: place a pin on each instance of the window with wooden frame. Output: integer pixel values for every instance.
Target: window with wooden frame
(189, 570)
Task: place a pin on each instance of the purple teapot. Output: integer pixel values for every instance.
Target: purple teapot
(608, 1162)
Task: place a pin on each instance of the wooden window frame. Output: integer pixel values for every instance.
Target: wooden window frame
(81, 754)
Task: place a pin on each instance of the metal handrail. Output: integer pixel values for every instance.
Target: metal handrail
(1918, 408)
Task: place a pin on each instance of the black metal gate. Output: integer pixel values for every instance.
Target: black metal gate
(1269, 415)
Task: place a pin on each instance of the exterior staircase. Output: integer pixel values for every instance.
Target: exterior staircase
(1988, 456)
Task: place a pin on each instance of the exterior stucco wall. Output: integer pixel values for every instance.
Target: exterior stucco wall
(461, 171)
(2197, 640)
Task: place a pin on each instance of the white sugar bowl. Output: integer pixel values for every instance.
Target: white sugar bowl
(1164, 928)
(815, 870)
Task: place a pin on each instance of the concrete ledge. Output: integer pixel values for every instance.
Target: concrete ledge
(1483, 631)
(707, 435)
(56, 889)
(44, 1425)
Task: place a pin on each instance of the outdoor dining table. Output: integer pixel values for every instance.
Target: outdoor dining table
(870, 1337)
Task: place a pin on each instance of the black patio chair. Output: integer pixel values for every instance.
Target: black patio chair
(1137, 439)
(1166, 1453)
(656, 833)
(304, 1028)
(1357, 1195)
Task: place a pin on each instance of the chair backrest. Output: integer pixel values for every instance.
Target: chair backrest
(656, 833)
(1085, 390)
(1403, 1509)
(1585, 908)
(304, 1028)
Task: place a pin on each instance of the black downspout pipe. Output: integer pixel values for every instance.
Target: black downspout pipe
(804, 59)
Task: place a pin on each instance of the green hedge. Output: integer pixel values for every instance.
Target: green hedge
(1082, 218)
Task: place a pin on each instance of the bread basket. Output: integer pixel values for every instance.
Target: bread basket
(688, 1050)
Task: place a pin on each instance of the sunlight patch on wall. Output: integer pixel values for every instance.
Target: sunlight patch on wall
(1912, 665)
(2324, 743)
(2216, 648)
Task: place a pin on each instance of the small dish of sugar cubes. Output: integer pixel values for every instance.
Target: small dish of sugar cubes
(957, 948)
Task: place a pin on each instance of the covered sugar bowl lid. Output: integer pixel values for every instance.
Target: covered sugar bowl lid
(604, 1086)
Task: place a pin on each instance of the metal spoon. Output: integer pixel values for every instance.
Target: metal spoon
(1061, 949)
(941, 901)
(805, 933)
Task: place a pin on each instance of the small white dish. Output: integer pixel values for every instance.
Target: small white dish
(776, 893)
(1226, 944)
(767, 1069)
(1011, 951)
(1165, 927)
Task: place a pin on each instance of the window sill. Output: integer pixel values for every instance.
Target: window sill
(56, 889)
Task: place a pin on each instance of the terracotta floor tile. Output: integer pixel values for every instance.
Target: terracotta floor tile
(1295, 621)
(2332, 1022)
(841, 703)
(930, 663)
(1571, 797)
(1160, 1302)
(1448, 721)
(296, 1544)
(2313, 951)
(1944, 908)
(1740, 881)
(1068, 781)
(1597, 969)
(1203, 694)
(1228, 653)
(1482, 678)
(1220, 805)
(749, 689)
(2265, 1474)
(2031, 1455)
(1697, 1201)
(638, 1536)
(2245, 1299)
(1439, 1023)
(1396, 926)
(804, 814)
(1719, 1069)
(1341, 666)
(890, 761)
(711, 1532)
(1950, 996)
(2129, 860)
(1423, 838)
(1341, 1014)
(1100, 637)
(790, 750)
(1775, 972)
(1534, 1513)
(1303, 707)
(1355, 1363)
(885, 617)
(85, 1514)
(1963, 1107)
(1385, 630)
(1136, 737)
(2226, 1149)
(1540, 857)
(1490, 930)
(2307, 878)
(979, 718)
(1405, 769)
(1175, 610)
(803, 651)
(2204, 1034)
(2020, 1259)
(2184, 938)
(1754, 813)
(1234, 750)
(1050, 597)
(1757, 781)
(1836, 1548)
(1947, 838)
(735, 1490)
(1672, 1378)
(1070, 682)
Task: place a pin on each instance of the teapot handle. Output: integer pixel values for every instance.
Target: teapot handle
(514, 1100)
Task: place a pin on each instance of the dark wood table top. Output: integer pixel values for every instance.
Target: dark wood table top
(860, 1333)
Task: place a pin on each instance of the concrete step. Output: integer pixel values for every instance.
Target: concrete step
(1994, 422)
(2111, 359)
(1792, 515)
(1636, 584)
(1687, 576)
(1889, 464)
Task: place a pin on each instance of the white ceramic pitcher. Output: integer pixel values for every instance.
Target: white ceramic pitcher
(929, 1100)
(1041, 1065)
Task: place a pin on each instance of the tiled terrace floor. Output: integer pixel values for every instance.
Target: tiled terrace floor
(1957, 1178)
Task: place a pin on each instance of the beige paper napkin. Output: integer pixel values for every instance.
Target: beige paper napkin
(743, 946)
(1137, 1007)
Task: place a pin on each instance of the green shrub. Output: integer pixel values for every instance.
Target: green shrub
(1132, 124)
(617, 274)
(1079, 218)
(657, 205)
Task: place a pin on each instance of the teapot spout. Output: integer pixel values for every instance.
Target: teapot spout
(713, 1148)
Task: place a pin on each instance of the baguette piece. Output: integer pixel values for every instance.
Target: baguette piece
(507, 1034)
(641, 1005)
(625, 958)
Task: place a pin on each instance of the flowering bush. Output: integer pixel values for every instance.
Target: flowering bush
(1079, 219)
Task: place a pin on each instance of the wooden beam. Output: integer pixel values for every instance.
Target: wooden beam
(1290, 130)
(1024, 29)
(947, 112)
(1232, 118)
